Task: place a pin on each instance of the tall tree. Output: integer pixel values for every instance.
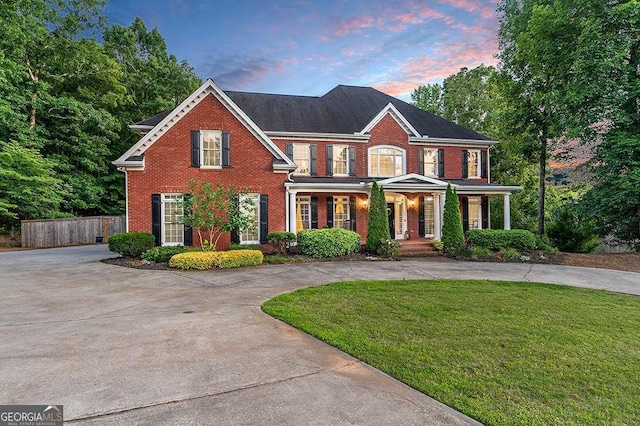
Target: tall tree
(429, 98)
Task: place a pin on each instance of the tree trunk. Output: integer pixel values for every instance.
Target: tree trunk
(543, 180)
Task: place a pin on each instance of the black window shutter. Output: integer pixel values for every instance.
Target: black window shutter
(421, 161)
(329, 171)
(421, 228)
(195, 148)
(441, 163)
(264, 217)
(289, 150)
(464, 205)
(465, 163)
(226, 158)
(483, 164)
(352, 212)
(235, 235)
(313, 157)
(314, 212)
(484, 206)
(352, 161)
(156, 218)
(187, 239)
(329, 212)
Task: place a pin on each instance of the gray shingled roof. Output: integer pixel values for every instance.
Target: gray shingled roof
(344, 109)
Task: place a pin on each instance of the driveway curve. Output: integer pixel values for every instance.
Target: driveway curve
(120, 346)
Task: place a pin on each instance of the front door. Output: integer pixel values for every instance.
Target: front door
(391, 215)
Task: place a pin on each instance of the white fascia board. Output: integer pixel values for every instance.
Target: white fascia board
(313, 136)
(390, 109)
(491, 190)
(402, 180)
(208, 87)
(140, 127)
(364, 187)
(426, 140)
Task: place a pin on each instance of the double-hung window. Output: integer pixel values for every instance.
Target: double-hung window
(303, 213)
(475, 213)
(385, 161)
(340, 159)
(172, 227)
(302, 157)
(430, 161)
(473, 163)
(211, 148)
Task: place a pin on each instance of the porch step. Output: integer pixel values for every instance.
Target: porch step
(417, 248)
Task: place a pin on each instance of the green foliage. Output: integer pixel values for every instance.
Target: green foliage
(497, 239)
(478, 252)
(377, 222)
(238, 246)
(132, 243)
(389, 248)
(281, 240)
(572, 233)
(162, 254)
(509, 253)
(212, 211)
(429, 97)
(438, 245)
(202, 260)
(452, 234)
(280, 260)
(328, 242)
(543, 243)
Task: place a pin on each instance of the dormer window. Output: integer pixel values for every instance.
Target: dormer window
(386, 161)
(210, 149)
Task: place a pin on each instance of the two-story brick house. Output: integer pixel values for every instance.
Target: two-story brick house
(308, 162)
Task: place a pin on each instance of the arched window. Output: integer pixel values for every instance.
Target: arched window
(386, 161)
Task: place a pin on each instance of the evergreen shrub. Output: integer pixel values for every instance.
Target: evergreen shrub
(281, 240)
(378, 222)
(162, 254)
(220, 259)
(498, 239)
(452, 234)
(328, 242)
(131, 243)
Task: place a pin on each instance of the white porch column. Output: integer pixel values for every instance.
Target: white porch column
(437, 218)
(507, 211)
(292, 211)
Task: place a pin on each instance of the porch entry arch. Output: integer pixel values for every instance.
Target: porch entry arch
(397, 214)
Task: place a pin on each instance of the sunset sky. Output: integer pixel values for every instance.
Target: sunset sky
(307, 47)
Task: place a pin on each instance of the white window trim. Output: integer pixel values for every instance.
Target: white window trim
(333, 161)
(478, 164)
(256, 205)
(202, 165)
(347, 210)
(303, 199)
(376, 147)
(479, 211)
(166, 198)
(435, 164)
(308, 146)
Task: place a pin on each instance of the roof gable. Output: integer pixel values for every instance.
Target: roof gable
(167, 120)
(411, 178)
(393, 112)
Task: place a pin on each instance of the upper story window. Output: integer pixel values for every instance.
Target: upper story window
(474, 163)
(210, 149)
(305, 156)
(386, 161)
(430, 162)
(341, 160)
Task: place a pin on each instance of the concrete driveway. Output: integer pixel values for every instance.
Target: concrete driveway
(121, 346)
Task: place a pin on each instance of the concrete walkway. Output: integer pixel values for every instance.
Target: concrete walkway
(121, 346)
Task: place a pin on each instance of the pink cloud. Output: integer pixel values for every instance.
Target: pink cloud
(355, 24)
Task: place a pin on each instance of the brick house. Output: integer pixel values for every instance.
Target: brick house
(308, 162)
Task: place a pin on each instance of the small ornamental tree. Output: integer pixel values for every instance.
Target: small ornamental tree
(452, 235)
(378, 223)
(212, 211)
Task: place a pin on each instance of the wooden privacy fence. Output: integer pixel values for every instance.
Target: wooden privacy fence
(69, 231)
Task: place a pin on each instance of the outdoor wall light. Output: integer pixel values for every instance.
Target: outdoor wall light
(411, 203)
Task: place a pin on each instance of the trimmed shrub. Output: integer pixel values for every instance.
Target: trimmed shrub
(571, 233)
(497, 239)
(377, 222)
(281, 240)
(328, 242)
(238, 246)
(162, 254)
(221, 259)
(452, 234)
(131, 243)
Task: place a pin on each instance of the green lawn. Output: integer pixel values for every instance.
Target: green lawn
(501, 352)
